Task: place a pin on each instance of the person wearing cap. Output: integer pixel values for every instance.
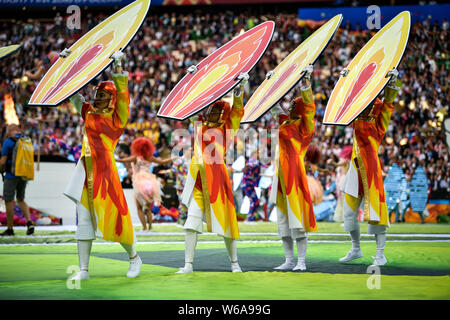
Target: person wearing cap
(364, 179)
(208, 193)
(290, 191)
(95, 187)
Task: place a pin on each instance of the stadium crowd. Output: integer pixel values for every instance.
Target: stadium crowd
(167, 44)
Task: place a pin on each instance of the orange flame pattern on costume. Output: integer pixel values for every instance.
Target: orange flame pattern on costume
(103, 132)
(368, 138)
(217, 180)
(295, 135)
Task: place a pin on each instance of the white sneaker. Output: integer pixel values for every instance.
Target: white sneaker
(186, 269)
(135, 267)
(82, 275)
(379, 261)
(288, 265)
(352, 255)
(235, 267)
(301, 265)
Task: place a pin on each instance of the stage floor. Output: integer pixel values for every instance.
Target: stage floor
(416, 270)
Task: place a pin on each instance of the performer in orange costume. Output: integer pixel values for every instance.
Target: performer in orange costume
(208, 193)
(290, 191)
(102, 209)
(364, 180)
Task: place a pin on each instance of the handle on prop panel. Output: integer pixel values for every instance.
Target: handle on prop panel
(243, 77)
(308, 71)
(344, 72)
(192, 69)
(269, 74)
(65, 53)
(392, 73)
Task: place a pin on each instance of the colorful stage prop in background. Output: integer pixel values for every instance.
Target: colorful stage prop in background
(38, 217)
(90, 55)
(366, 76)
(418, 191)
(394, 185)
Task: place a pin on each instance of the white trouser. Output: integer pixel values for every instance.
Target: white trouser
(195, 217)
(85, 227)
(283, 227)
(351, 222)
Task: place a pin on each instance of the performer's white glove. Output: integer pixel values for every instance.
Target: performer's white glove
(392, 81)
(276, 111)
(244, 78)
(308, 71)
(393, 87)
(269, 74)
(344, 72)
(118, 56)
(65, 53)
(192, 69)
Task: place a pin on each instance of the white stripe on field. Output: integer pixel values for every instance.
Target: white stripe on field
(214, 241)
(74, 227)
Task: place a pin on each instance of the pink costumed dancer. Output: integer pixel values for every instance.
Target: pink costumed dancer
(147, 189)
(341, 170)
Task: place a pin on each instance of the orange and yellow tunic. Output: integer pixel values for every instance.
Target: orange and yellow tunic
(367, 136)
(102, 193)
(207, 181)
(290, 191)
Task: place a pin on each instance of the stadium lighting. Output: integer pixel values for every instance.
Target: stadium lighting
(404, 141)
(424, 105)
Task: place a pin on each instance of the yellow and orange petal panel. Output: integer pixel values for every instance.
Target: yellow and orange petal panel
(287, 74)
(217, 74)
(90, 55)
(367, 72)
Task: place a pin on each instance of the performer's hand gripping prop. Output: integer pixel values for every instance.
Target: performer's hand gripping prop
(192, 69)
(105, 93)
(215, 113)
(118, 56)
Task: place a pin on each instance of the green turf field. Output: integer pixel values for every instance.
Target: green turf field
(416, 270)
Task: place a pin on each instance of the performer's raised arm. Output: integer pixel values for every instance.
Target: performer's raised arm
(387, 107)
(127, 159)
(237, 111)
(120, 79)
(77, 101)
(303, 107)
